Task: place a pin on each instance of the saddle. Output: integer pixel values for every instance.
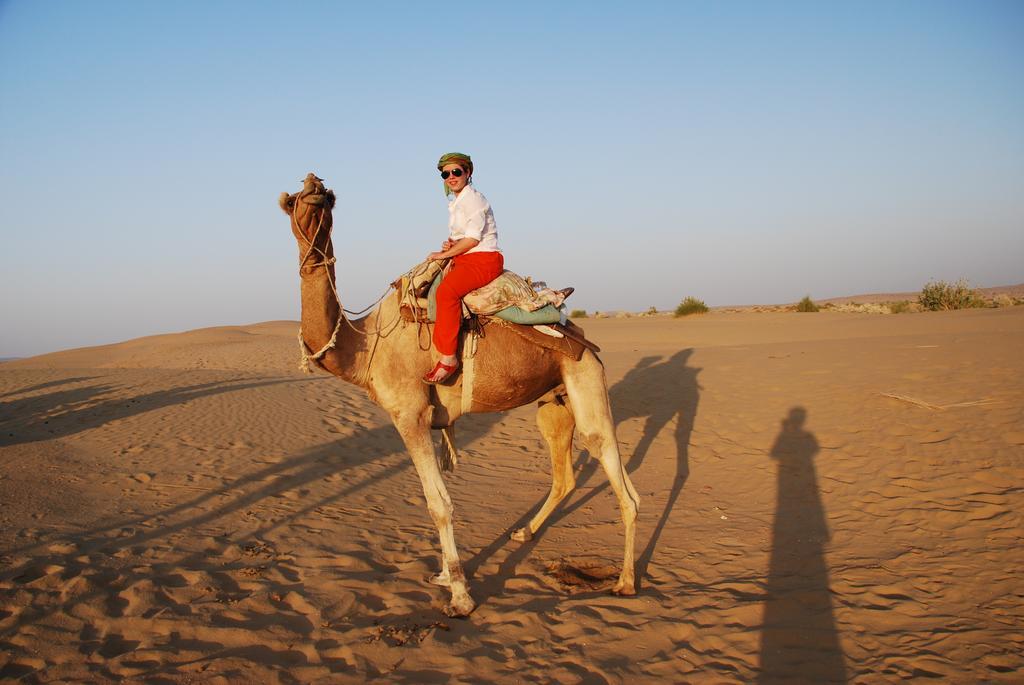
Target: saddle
(532, 310)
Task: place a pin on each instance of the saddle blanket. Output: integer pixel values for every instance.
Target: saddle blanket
(509, 296)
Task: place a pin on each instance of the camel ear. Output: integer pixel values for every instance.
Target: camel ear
(287, 202)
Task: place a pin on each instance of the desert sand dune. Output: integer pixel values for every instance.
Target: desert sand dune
(826, 498)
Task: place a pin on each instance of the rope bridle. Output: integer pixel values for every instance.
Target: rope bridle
(326, 262)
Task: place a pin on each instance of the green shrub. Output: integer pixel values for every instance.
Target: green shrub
(578, 314)
(901, 307)
(652, 311)
(807, 305)
(940, 295)
(1002, 300)
(691, 305)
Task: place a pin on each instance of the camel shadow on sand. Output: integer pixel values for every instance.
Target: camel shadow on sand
(68, 411)
(94, 553)
(46, 384)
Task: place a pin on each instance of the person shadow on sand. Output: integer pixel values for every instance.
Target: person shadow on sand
(799, 640)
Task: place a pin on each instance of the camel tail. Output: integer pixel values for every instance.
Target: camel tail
(448, 458)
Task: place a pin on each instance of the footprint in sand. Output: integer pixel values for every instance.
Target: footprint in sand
(62, 548)
(299, 604)
(8, 611)
(294, 495)
(17, 669)
(33, 574)
(306, 618)
(582, 574)
(115, 645)
(136, 598)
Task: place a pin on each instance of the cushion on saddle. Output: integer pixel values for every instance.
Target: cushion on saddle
(509, 290)
(549, 313)
(509, 297)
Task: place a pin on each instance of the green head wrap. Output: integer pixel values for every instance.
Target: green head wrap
(455, 158)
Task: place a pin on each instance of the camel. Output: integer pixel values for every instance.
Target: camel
(387, 357)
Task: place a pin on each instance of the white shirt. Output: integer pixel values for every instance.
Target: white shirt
(470, 216)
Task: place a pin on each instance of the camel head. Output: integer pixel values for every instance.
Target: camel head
(310, 210)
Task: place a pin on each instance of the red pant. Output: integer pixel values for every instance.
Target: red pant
(467, 272)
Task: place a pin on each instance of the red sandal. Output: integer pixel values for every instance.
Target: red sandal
(447, 369)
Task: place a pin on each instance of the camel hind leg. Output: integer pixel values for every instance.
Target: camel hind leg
(556, 425)
(588, 396)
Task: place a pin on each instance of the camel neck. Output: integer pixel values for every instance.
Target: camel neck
(323, 319)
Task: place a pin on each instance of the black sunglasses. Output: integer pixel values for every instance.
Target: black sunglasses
(454, 172)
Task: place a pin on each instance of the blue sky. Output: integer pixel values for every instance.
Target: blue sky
(739, 152)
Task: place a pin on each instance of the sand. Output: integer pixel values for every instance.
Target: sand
(826, 498)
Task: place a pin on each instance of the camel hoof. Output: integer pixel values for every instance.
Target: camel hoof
(522, 535)
(460, 608)
(624, 589)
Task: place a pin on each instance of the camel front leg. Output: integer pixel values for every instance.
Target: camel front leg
(556, 425)
(415, 432)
